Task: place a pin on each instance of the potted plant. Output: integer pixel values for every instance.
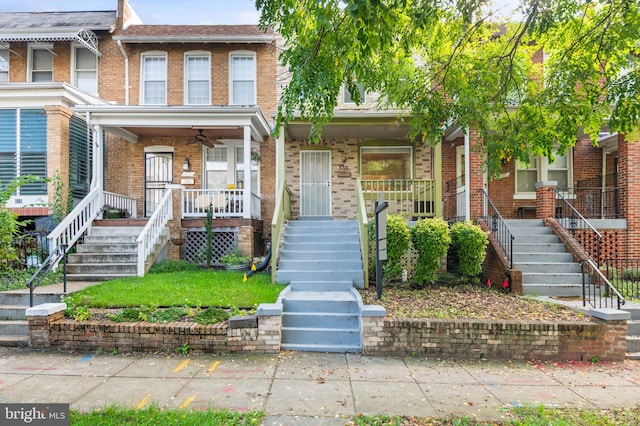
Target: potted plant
(255, 157)
(235, 259)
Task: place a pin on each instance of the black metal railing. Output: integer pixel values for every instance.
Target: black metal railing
(56, 255)
(597, 290)
(624, 274)
(594, 202)
(30, 247)
(578, 227)
(499, 229)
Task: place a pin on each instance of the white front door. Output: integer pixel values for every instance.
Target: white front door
(461, 184)
(315, 183)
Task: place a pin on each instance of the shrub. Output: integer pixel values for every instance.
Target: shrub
(431, 239)
(398, 240)
(469, 241)
(211, 316)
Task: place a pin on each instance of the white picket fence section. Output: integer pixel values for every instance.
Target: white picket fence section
(121, 202)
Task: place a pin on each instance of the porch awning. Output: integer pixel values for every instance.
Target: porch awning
(85, 37)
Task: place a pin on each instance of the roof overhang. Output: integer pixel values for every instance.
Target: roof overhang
(82, 35)
(37, 95)
(266, 39)
(362, 125)
(608, 142)
(218, 122)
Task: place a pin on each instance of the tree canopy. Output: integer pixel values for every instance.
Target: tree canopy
(451, 62)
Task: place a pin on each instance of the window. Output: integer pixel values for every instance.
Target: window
(217, 167)
(540, 169)
(381, 162)
(4, 65)
(348, 99)
(243, 79)
(154, 79)
(197, 79)
(85, 70)
(41, 64)
(240, 176)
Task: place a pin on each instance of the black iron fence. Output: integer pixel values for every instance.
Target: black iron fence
(593, 202)
(597, 291)
(579, 227)
(499, 229)
(624, 275)
(31, 248)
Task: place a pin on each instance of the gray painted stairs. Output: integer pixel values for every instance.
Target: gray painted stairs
(109, 252)
(321, 309)
(14, 329)
(547, 268)
(633, 331)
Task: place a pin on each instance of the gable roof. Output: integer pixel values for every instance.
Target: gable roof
(194, 33)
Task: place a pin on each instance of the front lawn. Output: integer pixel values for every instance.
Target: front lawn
(182, 288)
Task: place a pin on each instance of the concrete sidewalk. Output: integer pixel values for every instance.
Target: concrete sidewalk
(306, 388)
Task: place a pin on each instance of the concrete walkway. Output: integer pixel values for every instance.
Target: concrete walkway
(304, 388)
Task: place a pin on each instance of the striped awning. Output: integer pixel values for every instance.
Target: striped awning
(85, 37)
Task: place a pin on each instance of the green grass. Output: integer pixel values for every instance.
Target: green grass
(183, 288)
(155, 416)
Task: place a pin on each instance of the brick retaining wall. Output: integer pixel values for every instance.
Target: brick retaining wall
(382, 336)
(500, 340)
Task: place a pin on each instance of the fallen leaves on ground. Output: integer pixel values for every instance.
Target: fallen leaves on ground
(464, 302)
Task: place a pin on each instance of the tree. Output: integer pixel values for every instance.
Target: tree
(448, 62)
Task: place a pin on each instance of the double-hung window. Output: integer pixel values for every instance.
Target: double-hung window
(348, 99)
(241, 180)
(154, 78)
(386, 163)
(197, 77)
(85, 70)
(4, 65)
(41, 63)
(243, 79)
(541, 169)
(217, 167)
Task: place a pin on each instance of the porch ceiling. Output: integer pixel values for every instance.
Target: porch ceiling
(217, 122)
(354, 126)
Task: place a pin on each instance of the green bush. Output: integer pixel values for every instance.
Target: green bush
(431, 239)
(469, 241)
(398, 240)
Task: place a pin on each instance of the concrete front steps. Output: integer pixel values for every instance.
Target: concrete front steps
(633, 331)
(322, 250)
(109, 252)
(547, 268)
(14, 328)
(321, 316)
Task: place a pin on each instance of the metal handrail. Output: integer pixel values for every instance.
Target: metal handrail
(499, 229)
(363, 230)
(153, 229)
(573, 227)
(624, 274)
(593, 284)
(122, 202)
(57, 254)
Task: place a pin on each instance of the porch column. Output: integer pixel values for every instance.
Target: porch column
(246, 196)
(280, 161)
(546, 199)
(437, 174)
(474, 175)
(97, 176)
(629, 184)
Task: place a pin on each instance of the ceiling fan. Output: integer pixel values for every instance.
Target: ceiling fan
(201, 138)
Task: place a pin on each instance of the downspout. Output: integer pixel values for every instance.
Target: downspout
(126, 72)
(467, 189)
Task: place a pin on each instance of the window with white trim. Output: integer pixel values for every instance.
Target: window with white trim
(217, 167)
(154, 79)
(243, 79)
(348, 99)
(197, 77)
(240, 170)
(85, 69)
(541, 170)
(40, 63)
(4, 65)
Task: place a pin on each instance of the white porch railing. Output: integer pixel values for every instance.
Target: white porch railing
(78, 221)
(153, 229)
(121, 202)
(225, 203)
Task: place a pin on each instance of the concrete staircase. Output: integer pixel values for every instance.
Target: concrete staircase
(321, 261)
(547, 268)
(14, 329)
(633, 331)
(109, 252)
